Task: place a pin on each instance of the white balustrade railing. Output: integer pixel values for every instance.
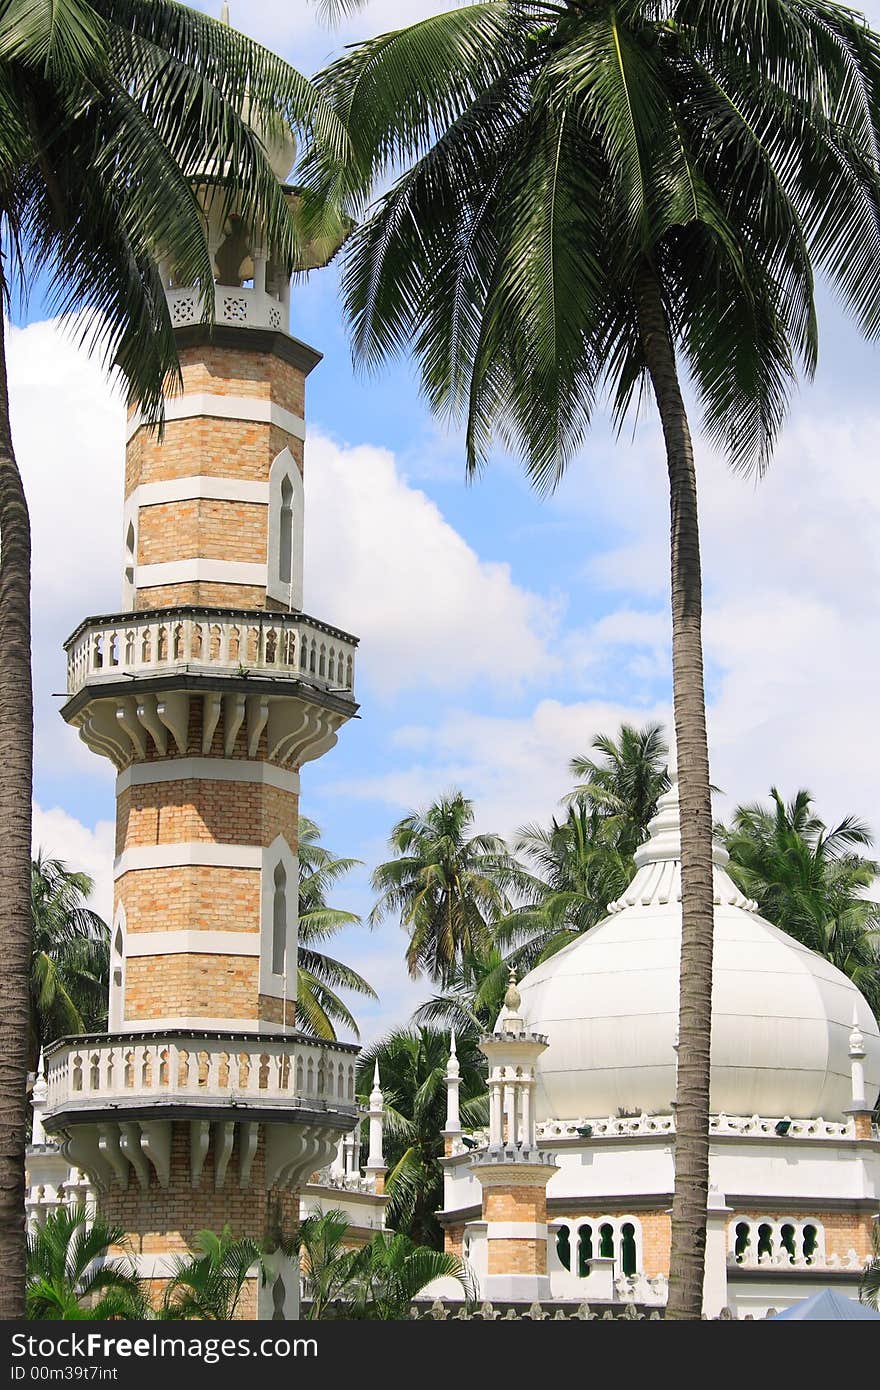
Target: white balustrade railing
(242, 307)
(141, 1068)
(621, 1126)
(203, 639)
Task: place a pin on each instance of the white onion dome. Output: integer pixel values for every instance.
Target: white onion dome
(608, 1004)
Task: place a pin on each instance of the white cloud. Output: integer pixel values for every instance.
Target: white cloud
(61, 836)
(381, 560)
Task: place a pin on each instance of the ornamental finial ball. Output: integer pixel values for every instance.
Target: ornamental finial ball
(512, 998)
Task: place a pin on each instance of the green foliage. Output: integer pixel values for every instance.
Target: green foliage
(869, 1288)
(70, 1275)
(378, 1280)
(544, 154)
(109, 110)
(412, 1069)
(446, 886)
(70, 958)
(319, 1007)
(810, 881)
(208, 1284)
(576, 866)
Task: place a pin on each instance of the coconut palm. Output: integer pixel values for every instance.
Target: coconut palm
(319, 1007)
(208, 1284)
(624, 783)
(445, 884)
(472, 997)
(595, 199)
(811, 881)
(575, 869)
(108, 109)
(412, 1070)
(69, 959)
(71, 1274)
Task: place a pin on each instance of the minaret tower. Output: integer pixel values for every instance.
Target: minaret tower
(208, 693)
(512, 1171)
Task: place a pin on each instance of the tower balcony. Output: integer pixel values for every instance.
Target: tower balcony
(238, 306)
(116, 1102)
(210, 641)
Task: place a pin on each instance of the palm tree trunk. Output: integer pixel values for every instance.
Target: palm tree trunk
(16, 761)
(687, 1258)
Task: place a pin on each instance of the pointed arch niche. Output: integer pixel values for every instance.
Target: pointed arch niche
(279, 920)
(116, 1001)
(129, 554)
(284, 570)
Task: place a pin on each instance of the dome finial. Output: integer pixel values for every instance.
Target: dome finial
(512, 998)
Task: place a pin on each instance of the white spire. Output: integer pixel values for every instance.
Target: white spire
(39, 1099)
(375, 1159)
(224, 13)
(453, 1082)
(857, 1065)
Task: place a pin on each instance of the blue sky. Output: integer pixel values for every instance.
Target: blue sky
(499, 632)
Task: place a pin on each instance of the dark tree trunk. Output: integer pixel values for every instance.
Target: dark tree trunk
(16, 767)
(687, 1259)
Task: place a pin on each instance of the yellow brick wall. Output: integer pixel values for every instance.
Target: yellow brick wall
(202, 986)
(517, 1257)
(237, 813)
(206, 528)
(189, 898)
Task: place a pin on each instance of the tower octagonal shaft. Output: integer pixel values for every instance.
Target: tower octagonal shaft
(208, 691)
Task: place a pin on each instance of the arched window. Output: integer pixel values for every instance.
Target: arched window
(628, 1248)
(585, 1250)
(810, 1243)
(563, 1246)
(606, 1242)
(129, 558)
(786, 1238)
(284, 556)
(116, 1002)
(279, 921)
(765, 1240)
(743, 1241)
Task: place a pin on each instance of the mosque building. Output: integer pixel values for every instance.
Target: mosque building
(203, 1106)
(567, 1197)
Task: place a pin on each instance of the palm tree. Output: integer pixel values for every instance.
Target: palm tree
(623, 785)
(70, 956)
(378, 1280)
(811, 881)
(473, 995)
(324, 1262)
(576, 869)
(70, 1275)
(445, 884)
(208, 1284)
(108, 108)
(869, 1288)
(587, 200)
(319, 1007)
(412, 1067)
(391, 1270)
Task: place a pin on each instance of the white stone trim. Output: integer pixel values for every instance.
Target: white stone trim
(116, 995)
(184, 853)
(516, 1230)
(256, 409)
(184, 1022)
(278, 986)
(202, 571)
(199, 485)
(288, 592)
(208, 770)
(200, 943)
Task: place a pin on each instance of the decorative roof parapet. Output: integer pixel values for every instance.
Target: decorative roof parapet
(512, 1153)
(759, 1126)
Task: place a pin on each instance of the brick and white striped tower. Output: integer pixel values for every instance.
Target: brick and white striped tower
(209, 692)
(513, 1172)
